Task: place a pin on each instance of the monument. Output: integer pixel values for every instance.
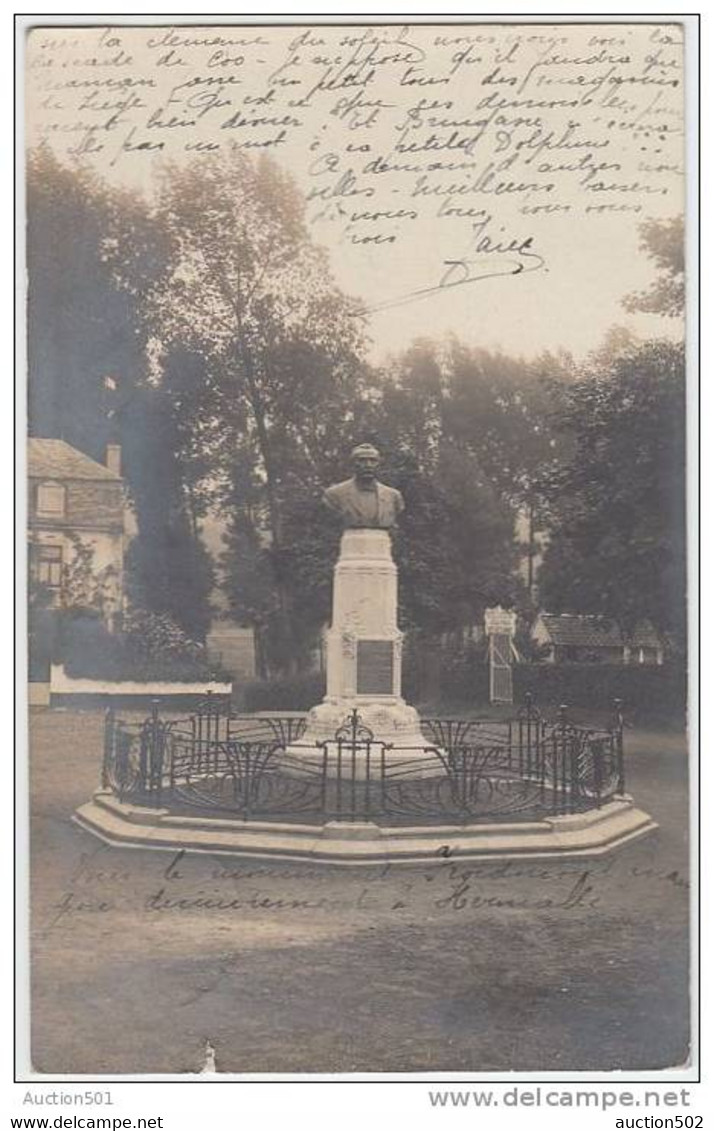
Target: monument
(362, 784)
(364, 643)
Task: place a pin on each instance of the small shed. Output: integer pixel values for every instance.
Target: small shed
(579, 638)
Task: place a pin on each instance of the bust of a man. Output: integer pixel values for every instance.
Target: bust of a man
(363, 501)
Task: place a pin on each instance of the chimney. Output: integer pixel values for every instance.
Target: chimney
(113, 460)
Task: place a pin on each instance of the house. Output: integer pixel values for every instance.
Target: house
(76, 527)
(576, 638)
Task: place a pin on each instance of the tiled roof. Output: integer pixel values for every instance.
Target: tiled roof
(55, 459)
(593, 632)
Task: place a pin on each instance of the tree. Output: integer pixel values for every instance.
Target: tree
(88, 372)
(455, 549)
(500, 407)
(617, 503)
(169, 570)
(663, 241)
(81, 327)
(617, 494)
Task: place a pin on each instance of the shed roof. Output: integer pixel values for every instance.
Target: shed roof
(56, 459)
(595, 632)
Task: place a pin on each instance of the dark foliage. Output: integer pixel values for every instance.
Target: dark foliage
(617, 504)
(88, 372)
(291, 693)
(88, 650)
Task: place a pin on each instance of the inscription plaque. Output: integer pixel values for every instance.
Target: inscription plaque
(375, 667)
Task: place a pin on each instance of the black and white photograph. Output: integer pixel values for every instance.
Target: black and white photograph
(357, 381)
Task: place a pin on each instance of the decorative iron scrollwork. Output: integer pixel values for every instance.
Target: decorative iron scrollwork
(353, 730)
(466, 770)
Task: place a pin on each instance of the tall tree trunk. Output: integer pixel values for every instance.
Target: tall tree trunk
(531, 550)
(275, 518)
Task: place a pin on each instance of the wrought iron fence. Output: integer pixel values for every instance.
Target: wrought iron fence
(260, 767)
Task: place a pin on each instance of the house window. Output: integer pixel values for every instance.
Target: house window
(48, 562)
(50, 500)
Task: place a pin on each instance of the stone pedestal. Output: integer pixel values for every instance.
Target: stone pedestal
(364, 647)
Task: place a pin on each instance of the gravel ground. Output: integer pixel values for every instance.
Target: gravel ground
(140, 959)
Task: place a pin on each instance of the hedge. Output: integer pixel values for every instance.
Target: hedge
(656, 693)
(290, 693)
(646, 692)
(88, 650)
(41, 643)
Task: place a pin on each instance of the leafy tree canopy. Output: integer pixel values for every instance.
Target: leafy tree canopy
(663, 241)
(89, 375)
(617, 504)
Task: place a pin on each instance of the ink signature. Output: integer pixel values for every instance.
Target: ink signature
(485, 258)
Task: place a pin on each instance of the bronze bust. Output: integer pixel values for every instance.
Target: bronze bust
(363, 501)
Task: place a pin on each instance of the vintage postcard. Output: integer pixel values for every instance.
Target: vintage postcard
(356, 523)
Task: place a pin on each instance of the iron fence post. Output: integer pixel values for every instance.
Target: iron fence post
(338, 790)
(526, 747)
(209, 714)
(618, 723)
(353, 776)
(573, 792)
(109, 726)
(248, 788)
(541, 754)
(144, 757)
(156, 754)
(323, 779)
(531, 751)
(172, 768)
(597, 749)
(560, 762)
(122, 758)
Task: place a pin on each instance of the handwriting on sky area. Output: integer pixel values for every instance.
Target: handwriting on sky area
(388, 126)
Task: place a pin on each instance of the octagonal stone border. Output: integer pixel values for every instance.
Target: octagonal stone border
(338, 842)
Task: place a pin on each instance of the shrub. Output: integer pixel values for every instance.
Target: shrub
(465, 676)
(156, 634)
(296, 693)
(43, 628)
